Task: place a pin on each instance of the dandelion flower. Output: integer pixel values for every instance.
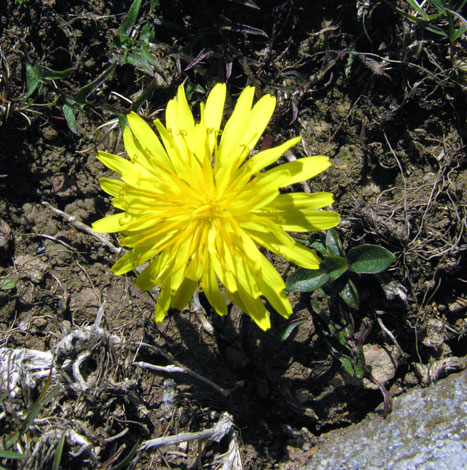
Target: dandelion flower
(197, 207)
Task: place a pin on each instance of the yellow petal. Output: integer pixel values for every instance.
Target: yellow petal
(259, 118)
(235, 127)
(156, 273)
(273, 288)
(112, 223)
(134, 258)
(184, 294)
(117, 164)
(235, 148)
(293, 252)
(305, 221)
(268, 157)
(163, 304)
(178, 114)
(302, 201)
(253, 307)
(146, 138)
(211, 290)
(111, 186)
(215, 107)
(294, 172)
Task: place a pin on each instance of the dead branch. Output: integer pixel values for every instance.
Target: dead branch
(216, 433)
(83, 227)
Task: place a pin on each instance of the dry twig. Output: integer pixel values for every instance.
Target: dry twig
(85, 228)
(216, 433)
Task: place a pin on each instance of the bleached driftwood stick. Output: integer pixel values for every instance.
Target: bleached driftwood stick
(216, 433)
(85, 228)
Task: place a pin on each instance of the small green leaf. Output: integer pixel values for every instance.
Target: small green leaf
(140, 60)
(348, 365)
(355, 370)
(369, 259)
(7, 284)
(58, 453)
(70, 118)
(336, 266)
(8, 454)
(360, 371)
(349, 295)
(290, 328)
(33, 79)
(49, 74)
(319, 247)
(306, 280)
(459, 32)
(37, 74)
(130, 20)
(341, 336)
(333, 243)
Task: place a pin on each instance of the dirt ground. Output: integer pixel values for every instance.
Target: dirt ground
(383, 97)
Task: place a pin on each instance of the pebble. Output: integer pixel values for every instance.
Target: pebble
(31, 267)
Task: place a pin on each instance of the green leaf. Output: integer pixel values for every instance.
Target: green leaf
(139, 59)
(306, 280)
(341, 336)
(8, 454)
(369, 259)
(318, 246)
(32, 413)
(459, 32)
(70, 118)
(333, 243)
(336, 266)
(348, 365)
(355, 370)
(130, 20)
(49, 74)
(58, 453)
(7, 284)
(349, 295)
(37, 74)
(290, 328)
(33, 79)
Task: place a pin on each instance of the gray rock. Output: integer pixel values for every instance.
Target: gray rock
(427, 430)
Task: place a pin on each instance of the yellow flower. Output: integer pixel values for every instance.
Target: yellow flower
(196, 207)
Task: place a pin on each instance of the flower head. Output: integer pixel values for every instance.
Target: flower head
(197, 208)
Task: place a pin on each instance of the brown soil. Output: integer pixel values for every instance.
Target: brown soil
(377, 94)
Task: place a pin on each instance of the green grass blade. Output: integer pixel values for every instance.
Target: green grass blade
(58, 453)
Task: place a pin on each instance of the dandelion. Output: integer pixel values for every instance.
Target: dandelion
(197, 208)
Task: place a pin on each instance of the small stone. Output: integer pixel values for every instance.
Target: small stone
(435, 334)
(31, 267)
(50, 134)
(86, 297)
(6, 238)
(382, 362)
(62, 185)
(410, 379)
(39, 322)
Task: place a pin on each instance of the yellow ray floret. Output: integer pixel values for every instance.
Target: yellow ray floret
(197, 207)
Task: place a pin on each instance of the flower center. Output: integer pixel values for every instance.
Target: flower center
(210, 209)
